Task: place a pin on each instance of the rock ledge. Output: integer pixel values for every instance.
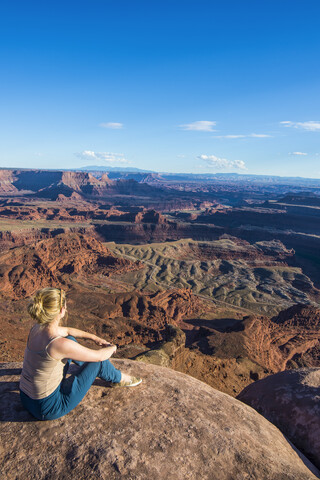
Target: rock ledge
(170, 427)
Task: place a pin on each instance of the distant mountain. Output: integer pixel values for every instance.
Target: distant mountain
(50, 184)
(152, 177)
(136, 174)
(104, 168)
(240, 177)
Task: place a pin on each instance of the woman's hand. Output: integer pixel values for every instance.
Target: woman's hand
(107, 352)
(101, 342)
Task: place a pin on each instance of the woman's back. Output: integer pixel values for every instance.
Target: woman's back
(38, 338)
(41, 374)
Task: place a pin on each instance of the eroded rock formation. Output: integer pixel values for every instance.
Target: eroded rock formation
(275, 344)
(52, 262)
(170, 352)
(52, 184)
(253, 348)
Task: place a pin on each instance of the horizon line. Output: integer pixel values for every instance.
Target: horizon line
(141, 170)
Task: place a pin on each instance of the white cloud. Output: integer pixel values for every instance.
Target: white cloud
(200, 126)
(113, 125)
(311, 126)
(298, 153)
(107, 157)
(250, 135)
(222, 163)
(259, 135)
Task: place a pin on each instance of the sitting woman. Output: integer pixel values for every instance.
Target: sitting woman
(44, 389)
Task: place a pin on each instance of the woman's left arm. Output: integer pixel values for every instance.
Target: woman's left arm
(75, 332)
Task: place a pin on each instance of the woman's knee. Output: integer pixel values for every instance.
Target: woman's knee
(70, 337)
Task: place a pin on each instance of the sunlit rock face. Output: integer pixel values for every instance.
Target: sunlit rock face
(291, 400)
(53, 261)
(172, 426)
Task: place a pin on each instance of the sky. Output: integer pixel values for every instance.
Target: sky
(172, 86)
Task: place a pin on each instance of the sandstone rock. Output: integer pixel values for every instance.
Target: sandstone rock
(7, 179)
(150, 216)
(285, 341)
(291, 400)
(166, 354)
(52, 261)
(170, 427)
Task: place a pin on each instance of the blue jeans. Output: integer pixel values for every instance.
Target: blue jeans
(71, 390)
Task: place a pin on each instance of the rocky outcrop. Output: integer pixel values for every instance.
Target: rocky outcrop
(52, 184)
(83, 211)
(291, 400)
(251, 348)
(7, 178)
(53, 261)
(47, 182)
(140, 233)
(150, 216)
(82, 183)
(136, 215)
(172, 427)
(169, 352)
(301, 315)
(156, 309)
(26, 236)
(273, 344)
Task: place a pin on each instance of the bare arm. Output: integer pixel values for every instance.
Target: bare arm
(75, 332)
(66, 348)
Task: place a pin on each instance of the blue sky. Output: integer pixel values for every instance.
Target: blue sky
(176, 86)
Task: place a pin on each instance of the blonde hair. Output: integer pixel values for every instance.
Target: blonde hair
(46, 304)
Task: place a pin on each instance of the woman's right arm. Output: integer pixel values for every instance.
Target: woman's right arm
(66, 348)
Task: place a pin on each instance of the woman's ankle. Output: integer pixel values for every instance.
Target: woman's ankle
(125, 377)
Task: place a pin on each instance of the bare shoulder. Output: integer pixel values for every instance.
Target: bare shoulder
(58, 348)
(62, 331)
(61, 347)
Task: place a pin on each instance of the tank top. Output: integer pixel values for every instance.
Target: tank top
(41, 374)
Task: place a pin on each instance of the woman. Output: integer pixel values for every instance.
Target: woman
(44, 389)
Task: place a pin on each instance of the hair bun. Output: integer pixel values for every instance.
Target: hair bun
(38, 304)
(46, 304)
(35, 307)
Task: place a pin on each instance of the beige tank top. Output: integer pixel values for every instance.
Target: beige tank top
(41, 374)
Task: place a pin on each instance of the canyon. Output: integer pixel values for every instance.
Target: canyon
(214, 277)
(218, 258)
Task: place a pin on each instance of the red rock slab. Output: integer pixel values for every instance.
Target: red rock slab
(171, 427)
